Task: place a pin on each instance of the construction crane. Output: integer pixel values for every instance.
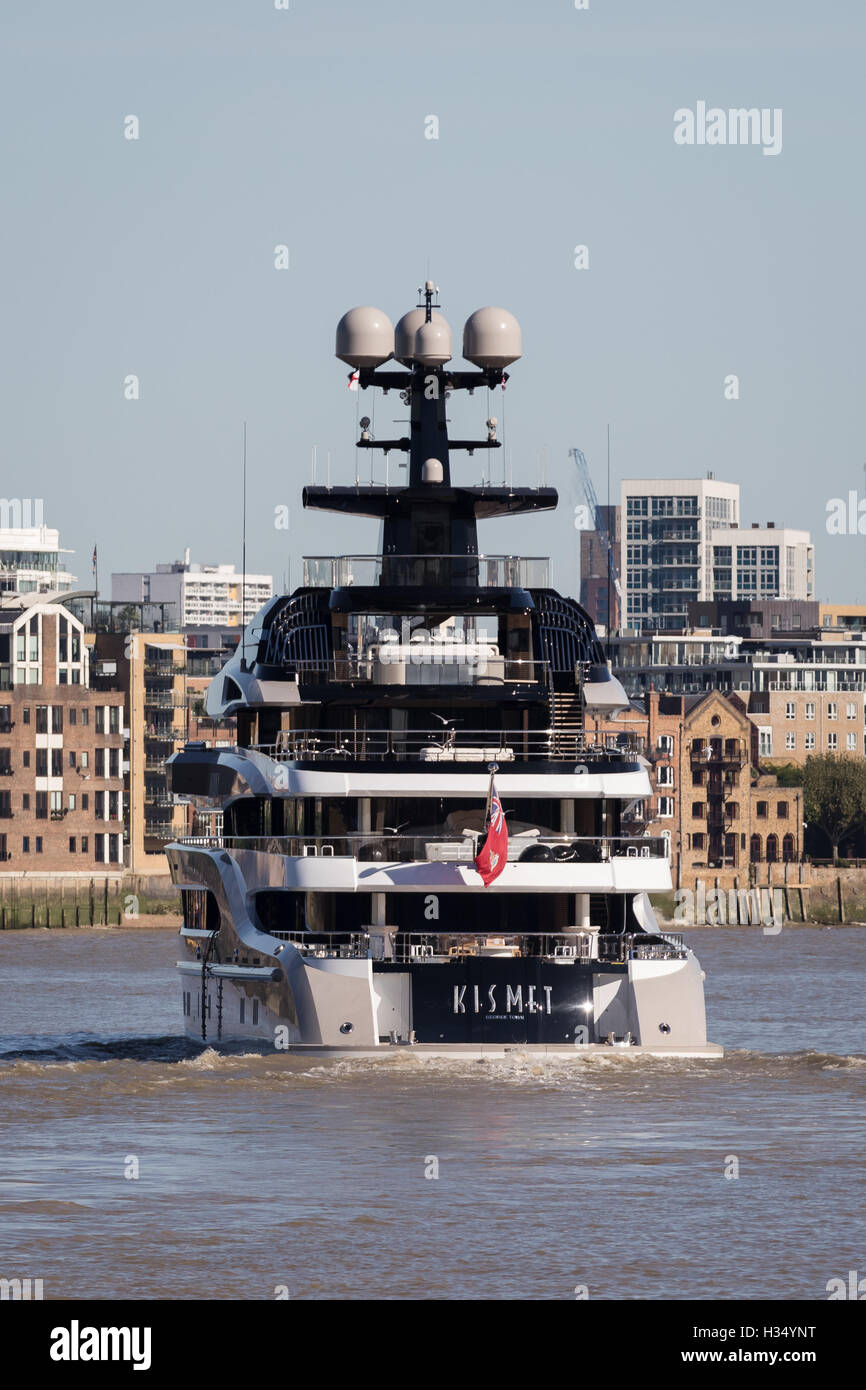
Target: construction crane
(597, 517)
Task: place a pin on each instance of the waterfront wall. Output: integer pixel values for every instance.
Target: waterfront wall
(61, 901)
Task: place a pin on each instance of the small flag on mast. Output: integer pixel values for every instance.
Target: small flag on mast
(493, 854)
(94, 559)
(354, 377)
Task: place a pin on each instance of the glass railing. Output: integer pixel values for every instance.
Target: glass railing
(483, 571)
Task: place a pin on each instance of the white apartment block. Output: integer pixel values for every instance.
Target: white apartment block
(195, 594)
(31, 560)
(668, 529)
(763, 562)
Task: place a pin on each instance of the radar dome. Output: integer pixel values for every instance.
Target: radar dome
(405, 346)
(491, 338)
(365, 338)
(433, 343)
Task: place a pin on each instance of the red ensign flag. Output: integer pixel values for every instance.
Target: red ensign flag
(494, 852)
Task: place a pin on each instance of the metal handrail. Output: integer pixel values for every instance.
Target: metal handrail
(432, 847)
(456, 744)
(455, 947)
(390, 664)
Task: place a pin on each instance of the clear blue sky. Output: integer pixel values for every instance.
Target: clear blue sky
(306, 127)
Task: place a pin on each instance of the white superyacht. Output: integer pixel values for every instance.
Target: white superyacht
(422, 842)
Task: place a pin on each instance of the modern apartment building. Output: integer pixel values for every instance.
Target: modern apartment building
(667, 546)
(192, 594)
(62, 749)
(31, 559)
(162, 677)
(762, 562)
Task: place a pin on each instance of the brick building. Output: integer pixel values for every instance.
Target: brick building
(62, 747)
(709, 799)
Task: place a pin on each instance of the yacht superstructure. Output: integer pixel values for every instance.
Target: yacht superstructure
(377, 706)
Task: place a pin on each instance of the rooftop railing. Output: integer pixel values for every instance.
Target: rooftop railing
(435, 847)
(485, 571)
(455, 745)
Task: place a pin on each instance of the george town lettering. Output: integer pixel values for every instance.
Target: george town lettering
(514, 1000)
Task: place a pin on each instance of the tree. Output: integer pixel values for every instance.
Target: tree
(834, 796)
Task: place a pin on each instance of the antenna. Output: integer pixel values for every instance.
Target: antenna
(244, 561)
(609, 609)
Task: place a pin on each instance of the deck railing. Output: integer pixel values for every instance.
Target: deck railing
(435, 847)
(436, 948)
(448, 745)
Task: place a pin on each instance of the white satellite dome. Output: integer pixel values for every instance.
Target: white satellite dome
(491, 338)
(365, 337)
(433, 342)
(407, 346)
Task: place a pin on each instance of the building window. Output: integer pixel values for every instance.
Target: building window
(114, 762)
(772, 849)
(72, 760)
(71, 844)
(72, 715)
(25, 757)
(25, 802)
(41, 805)
(665, 776)
(810, 709)
(41, 762)
(57, 719)
(25, 845)
(788, 850)
(57, 762)
(255, 1011)
(832, 742)
(25, 714)
(71, 801)
(38, 844)
(114, 719)
(699, 810)
(782, 810)
(666, 806)
(243, 1009)
(85, 717)
(84, 843)
(42, 719)
(810, 743)
(665, 743)
(790, 709)
(99, 719)
(832, 709)
(850, 710)
(761, 810)
(99, 848)
(99, 805)
(85, 801)
(765, 743)
(851, 742)
(56, 805)
(790, 742)
(755, 849)
(698, 840)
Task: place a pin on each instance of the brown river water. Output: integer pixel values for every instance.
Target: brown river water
(258, 1173)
